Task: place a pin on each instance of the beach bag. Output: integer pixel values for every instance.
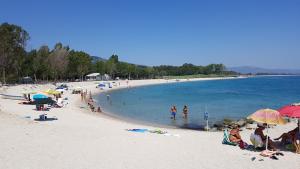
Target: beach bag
(243, 145)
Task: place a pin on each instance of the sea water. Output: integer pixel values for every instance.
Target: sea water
(232, 98)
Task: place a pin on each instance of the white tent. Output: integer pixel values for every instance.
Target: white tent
(93, 76)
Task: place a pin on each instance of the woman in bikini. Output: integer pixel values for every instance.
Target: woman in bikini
(234, 135)
(185, 111)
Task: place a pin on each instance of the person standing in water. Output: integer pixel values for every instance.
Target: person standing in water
(185, 111)
(173, 112)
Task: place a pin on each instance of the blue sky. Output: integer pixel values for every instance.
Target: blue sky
(263, 33)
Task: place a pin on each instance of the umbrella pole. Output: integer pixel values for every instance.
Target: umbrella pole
(267, 137)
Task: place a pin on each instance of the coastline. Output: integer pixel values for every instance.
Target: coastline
(151, 82)
(83, 139)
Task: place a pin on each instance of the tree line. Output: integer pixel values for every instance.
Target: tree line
(63, 63)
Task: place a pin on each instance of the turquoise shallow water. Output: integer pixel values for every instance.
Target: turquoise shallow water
(234, 99)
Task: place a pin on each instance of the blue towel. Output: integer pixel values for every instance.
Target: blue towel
(138, 130)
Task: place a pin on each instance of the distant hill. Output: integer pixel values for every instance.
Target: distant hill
(96, 58)
(257, 70)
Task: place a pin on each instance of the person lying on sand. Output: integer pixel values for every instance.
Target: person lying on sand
(259, 132)
(286, 138)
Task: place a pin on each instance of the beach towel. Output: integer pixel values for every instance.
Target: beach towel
(138, 130)
(226, 139)
(157, 131)
(256, 140)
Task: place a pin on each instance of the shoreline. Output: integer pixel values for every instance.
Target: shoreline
(154, 82)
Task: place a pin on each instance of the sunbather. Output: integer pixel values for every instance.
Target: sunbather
(259, 132)
(296, 141)
(286, 138)
(234, 135)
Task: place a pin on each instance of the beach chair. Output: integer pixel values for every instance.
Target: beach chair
(256, 141)
(226, 139)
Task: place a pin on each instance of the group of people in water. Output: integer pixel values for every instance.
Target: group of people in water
(290, 137)
(173, 112)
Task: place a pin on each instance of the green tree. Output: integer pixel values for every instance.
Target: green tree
(58, 61)
(111, 65)
(100, 67)
(12, 43)
(79, 64)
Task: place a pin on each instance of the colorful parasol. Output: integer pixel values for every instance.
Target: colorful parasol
(292, 110)
(53, 92)
(268, 116)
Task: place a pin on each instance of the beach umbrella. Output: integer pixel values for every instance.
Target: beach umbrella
(268, 116)
(53, 92)
(292, 110)
(39, 96)
(101, 85)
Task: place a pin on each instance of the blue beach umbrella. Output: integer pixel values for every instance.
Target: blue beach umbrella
(101, 85)
(39, 96)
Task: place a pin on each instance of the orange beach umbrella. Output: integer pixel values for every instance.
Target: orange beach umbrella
(268, 116)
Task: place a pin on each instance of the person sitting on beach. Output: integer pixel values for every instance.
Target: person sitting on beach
(234, 135)
(185, 111)
(286, 138)
(92, 107)
(99, 109)
(296, 141)
(173, 112)
(259, 131)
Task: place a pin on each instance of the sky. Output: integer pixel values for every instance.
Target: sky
(262, 33)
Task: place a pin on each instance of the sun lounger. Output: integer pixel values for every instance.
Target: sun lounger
(226, 139)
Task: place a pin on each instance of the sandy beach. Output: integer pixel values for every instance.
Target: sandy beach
(81, 139)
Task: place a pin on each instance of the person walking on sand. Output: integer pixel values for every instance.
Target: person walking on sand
(185, 111)
(173, 112)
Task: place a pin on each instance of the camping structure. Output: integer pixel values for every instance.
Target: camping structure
(93, 76)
